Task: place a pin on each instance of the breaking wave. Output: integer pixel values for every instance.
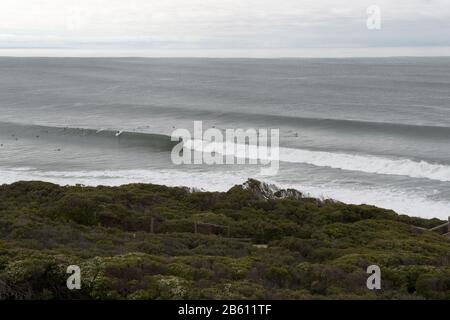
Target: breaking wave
(343, 161)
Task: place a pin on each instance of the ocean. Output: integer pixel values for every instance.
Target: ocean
(358, 130)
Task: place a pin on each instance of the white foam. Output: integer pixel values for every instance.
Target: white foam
(368, 164)
(200, 180)
(410, 203)
(335, 160)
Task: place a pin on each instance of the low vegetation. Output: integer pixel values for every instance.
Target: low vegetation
(146, 241)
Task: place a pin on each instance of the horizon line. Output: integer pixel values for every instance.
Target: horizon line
(238, 53)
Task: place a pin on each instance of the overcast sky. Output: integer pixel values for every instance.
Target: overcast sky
(221, 23)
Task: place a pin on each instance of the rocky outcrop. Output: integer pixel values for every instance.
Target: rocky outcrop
(443, 229)
(265, 191)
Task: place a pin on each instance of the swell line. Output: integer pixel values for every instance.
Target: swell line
(421, 131)
(101, 137)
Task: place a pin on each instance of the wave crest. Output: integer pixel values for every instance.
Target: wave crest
(335, 160)
(367, 163)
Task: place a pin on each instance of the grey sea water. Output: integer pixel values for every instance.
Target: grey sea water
(363, 130)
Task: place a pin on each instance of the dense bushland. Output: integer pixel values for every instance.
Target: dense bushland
(245, 247)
